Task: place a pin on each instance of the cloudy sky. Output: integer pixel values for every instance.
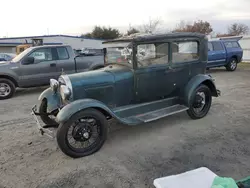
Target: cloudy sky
(33, 17)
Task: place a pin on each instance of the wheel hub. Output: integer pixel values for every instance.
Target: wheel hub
(233, 65)
(82, 132)
(4, 89)
(199, 100)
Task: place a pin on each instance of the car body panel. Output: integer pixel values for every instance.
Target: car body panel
(53, 99)
(82, 104)
(195, 82)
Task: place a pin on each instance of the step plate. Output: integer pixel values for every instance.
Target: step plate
(157, 114)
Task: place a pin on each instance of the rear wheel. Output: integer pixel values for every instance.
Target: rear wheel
(83, 134)
(200, 102)
(47, 119)
(7, 88)
(232, 65)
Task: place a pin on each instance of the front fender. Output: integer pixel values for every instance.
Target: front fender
(195, 82)
(53, 99)
(66, 112)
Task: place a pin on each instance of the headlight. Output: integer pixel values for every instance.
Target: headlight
(54, 84)
(65, 92)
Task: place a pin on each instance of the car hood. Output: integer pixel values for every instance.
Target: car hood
(108, 76)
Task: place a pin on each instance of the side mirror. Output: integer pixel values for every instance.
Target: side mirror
(28, 60)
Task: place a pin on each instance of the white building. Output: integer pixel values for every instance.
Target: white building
(9, 44)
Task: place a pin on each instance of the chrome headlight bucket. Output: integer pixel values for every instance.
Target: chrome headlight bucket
(54, 84)
(65, 92)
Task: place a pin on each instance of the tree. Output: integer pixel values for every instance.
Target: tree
(132, 30)
(238, 29)
(103, 33)
(151, 26)
(199, 26)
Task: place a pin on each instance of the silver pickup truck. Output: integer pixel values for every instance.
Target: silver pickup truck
(37, 65)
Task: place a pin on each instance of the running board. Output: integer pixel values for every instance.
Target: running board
(157, 114)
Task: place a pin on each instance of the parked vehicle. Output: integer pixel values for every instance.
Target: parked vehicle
(37, 65)
(6, 56)
(227, 53)
(167, 78)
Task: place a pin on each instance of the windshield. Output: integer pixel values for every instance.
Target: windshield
(119, 53)
(21, 55)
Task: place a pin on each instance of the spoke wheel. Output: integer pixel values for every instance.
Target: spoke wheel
(232, 65)
(7, 88)
(200, 102)
(83, 134)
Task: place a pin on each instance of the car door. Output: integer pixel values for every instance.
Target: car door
(217, 57)
(153, 75)
(185, 62)
(65, 62)
(42, 70)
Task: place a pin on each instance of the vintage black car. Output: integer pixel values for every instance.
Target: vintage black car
(146, 77)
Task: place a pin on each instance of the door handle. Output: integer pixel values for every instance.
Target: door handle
(53, 65)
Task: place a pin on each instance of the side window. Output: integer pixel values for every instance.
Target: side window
(62, 53)
(43, 54)
(210, 46)
(235, 45)
(217, 46)
(228, 44)
(185, 51)
(152, 54)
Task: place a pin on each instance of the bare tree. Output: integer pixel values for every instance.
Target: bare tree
(132, 30)
(238, 29)
(199, 26)
(151, 26)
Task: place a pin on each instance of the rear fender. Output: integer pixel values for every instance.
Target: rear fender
(53, 100)
(195, 82)
(66, 112)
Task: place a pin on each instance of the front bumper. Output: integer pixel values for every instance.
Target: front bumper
(42, 129)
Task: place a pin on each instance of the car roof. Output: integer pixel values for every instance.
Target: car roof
(148, 37)
(50, 46)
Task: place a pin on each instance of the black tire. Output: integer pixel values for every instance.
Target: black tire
(45, 118)
(62, 134)
(10, 86)
(208, 100)
(232, 65)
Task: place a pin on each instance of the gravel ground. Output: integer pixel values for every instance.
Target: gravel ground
(132, 156)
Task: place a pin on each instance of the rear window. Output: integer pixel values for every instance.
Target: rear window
(185, 51)
(231, 44)
(217, 46)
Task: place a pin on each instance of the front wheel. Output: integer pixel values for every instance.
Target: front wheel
(232, 65)
(7, 88)
(200, 102)
(83, 134)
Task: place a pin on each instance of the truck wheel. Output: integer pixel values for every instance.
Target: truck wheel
(232, 65)
(7, 88)
(200, 102)
(83, 134)
(45, 118)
